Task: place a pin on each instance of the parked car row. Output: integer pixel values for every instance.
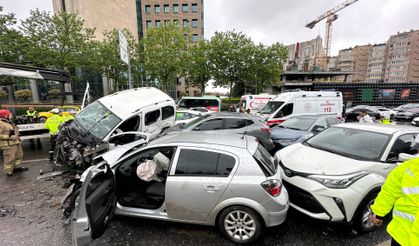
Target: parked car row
(218, 169)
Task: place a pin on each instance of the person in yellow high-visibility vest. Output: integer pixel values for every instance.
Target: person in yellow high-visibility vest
(66, 116)
(385, 120)
(52, 124)
(400, 192)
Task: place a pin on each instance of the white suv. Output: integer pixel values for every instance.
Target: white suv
(337, 174)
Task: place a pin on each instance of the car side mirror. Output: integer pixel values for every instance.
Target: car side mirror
(317, 129)
(404, 157)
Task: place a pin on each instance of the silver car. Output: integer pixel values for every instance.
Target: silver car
(229, 181)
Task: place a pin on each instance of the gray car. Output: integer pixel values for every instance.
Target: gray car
(300, 128)
(225, 122)
(228, 181)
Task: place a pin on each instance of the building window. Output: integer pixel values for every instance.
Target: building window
(166, 22)
(157, 9)
(166, 8)
(195, 38)
(194, 7)
(194, 23)
(176, 23)
(175, 8)
(185, 7)
(149, 24)
(147, 9)
(186, 23)
(158, 23)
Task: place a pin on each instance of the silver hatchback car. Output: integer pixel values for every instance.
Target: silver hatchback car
(229, 181)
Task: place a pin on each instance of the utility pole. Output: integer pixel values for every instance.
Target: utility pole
(124, 54)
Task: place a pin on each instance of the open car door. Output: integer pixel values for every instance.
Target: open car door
(94, 206)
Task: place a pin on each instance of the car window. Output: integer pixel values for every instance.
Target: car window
(352, 143)
(265, 161)
(232, 123)
(285, 111)
(404, 144)
(204, 163)
(151, 117)
(167, 112)
(132, 124)
(298, 123)
(212, 124)
(271, 107)
(321, 122)
(332, 121)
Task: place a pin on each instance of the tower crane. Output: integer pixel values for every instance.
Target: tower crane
(331, 16)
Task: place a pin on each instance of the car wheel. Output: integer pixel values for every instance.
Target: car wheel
(240, 224)
(363, 221)
(42, 119)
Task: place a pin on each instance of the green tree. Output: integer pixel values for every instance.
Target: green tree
(267, 64)
(199, 70)
(53, 93)
(57, 41)
(107, 60)
(165, 52)
(230, 58)
(11, 40)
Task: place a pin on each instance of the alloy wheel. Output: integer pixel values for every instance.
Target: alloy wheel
(240, 225)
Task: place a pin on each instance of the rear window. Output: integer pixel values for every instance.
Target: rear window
(196, 103)
(265, 161)
(234, 123)
(204, 163)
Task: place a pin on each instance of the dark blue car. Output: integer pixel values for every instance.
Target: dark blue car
(300, 128)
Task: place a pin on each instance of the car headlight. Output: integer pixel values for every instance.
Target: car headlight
(338, 182)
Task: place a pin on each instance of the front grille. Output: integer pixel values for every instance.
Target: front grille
(303, 199)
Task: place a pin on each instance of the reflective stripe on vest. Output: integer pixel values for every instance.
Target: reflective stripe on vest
(410, 190)
(403, 215)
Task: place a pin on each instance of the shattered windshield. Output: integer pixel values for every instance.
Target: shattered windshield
(97, 120)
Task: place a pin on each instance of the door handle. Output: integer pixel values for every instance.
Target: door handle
(211, 188)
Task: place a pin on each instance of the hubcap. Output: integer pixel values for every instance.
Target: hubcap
(240, 225)
(366, 221)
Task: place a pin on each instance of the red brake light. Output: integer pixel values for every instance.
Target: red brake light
(267, 130)
(273, 187)
(271, 122)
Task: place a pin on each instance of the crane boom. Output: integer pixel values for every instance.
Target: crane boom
(330, 12)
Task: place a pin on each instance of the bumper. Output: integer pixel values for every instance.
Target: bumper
(317, 201)
(276, 209)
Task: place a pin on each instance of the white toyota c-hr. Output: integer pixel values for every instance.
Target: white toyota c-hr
(337, 174)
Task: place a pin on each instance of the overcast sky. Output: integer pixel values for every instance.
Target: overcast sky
(270, 21)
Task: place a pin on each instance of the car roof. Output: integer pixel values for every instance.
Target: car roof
(125, 103)
(315, 116)
(233, 115)
(379, 128)
(203, 138)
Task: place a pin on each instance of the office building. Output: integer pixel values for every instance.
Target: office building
(187, 14)
(102, 15)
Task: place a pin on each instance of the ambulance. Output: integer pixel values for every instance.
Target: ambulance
(254, 102)
(289, 104)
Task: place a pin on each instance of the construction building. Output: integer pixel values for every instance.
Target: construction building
(402, 57)
(303, 56)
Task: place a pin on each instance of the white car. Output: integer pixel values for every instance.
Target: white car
(337, 174)
(386, 111)
(183, 117)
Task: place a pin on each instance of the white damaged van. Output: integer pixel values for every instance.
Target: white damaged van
(119, 118)
(289, 104)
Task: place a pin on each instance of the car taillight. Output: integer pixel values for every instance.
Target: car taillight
(267, 130)
(271, 122)
(273, 187)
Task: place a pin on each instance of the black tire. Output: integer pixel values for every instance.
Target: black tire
(42, 119)
(247, 222)
(362, 223)
(70, 203)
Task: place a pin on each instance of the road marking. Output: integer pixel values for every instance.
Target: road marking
(36, 160)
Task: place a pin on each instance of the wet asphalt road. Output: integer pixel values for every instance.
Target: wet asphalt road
(34, 217)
